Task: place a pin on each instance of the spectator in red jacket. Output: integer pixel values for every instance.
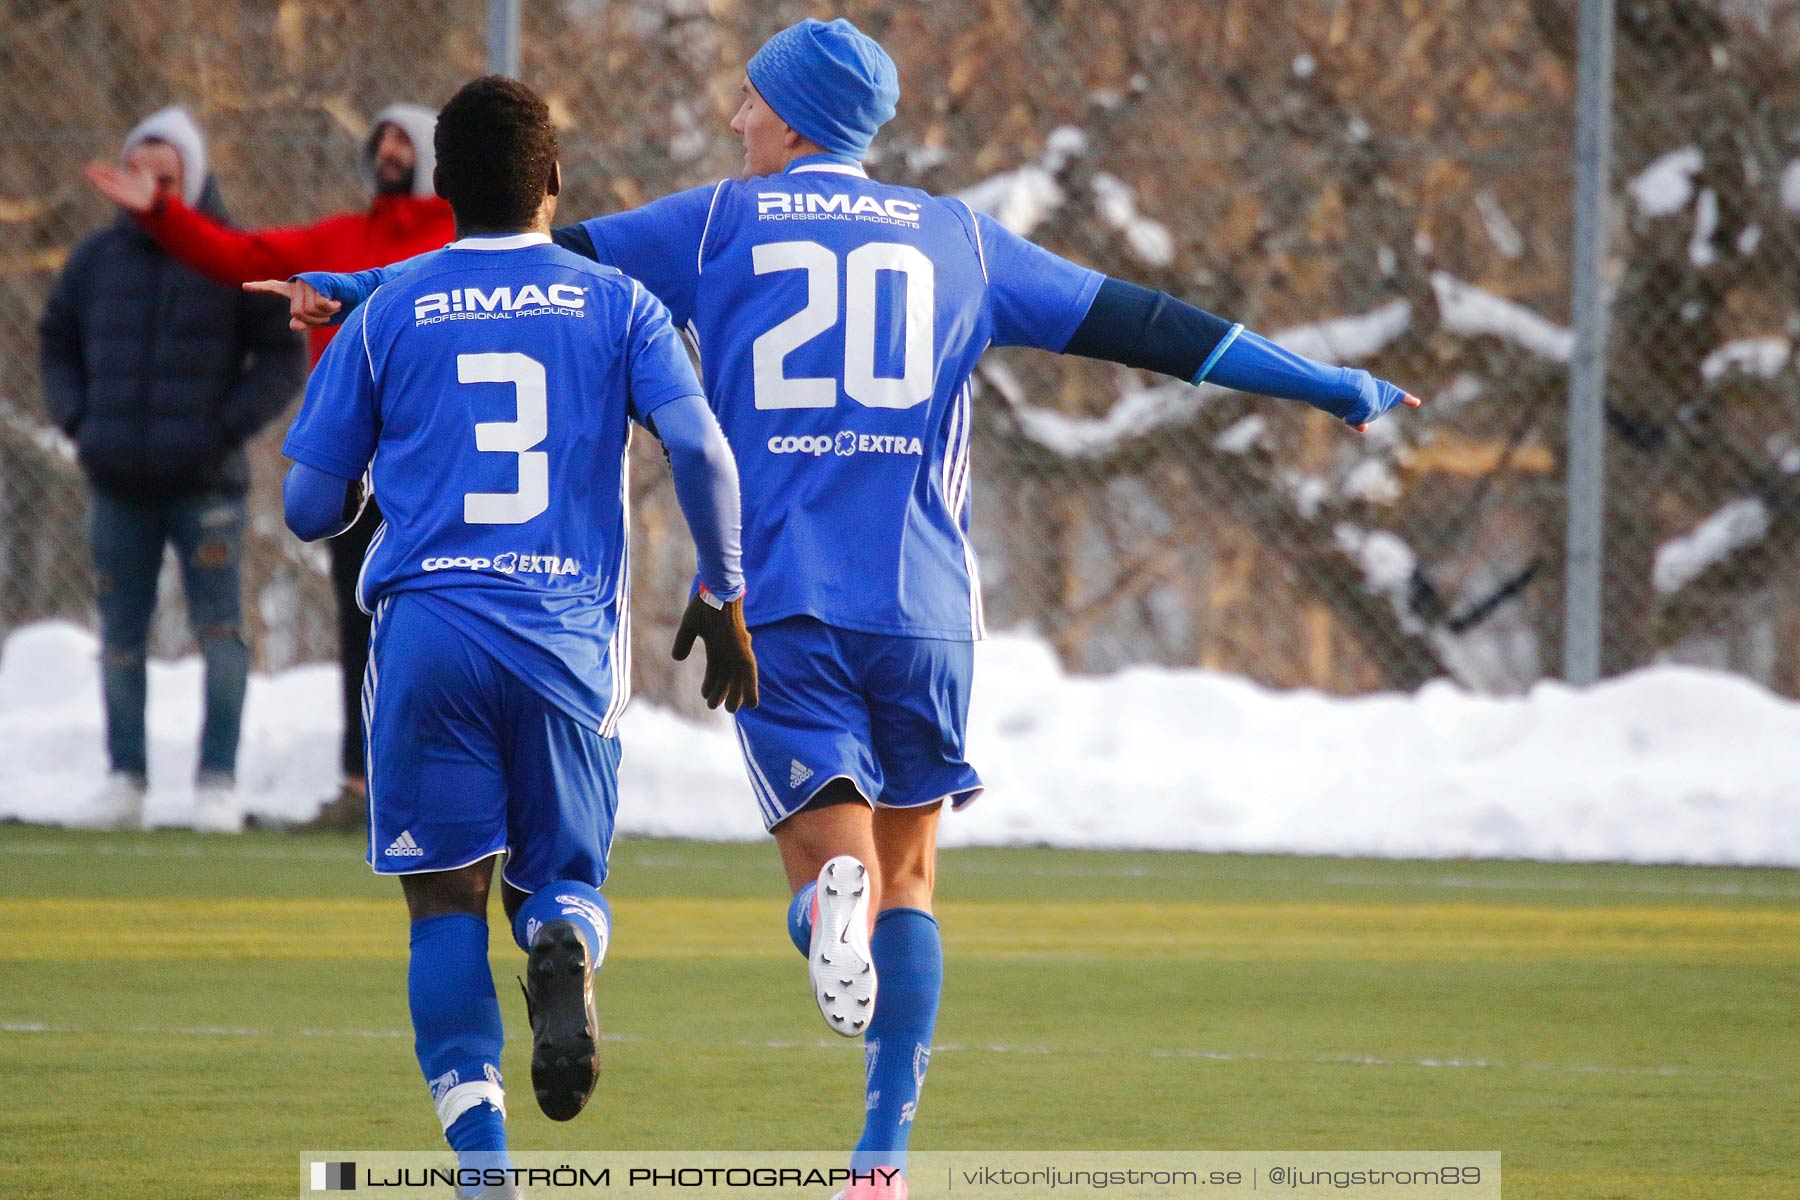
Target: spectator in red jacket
(404, 218)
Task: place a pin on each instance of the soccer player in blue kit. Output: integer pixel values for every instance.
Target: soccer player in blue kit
(492, 390)
(838, 321)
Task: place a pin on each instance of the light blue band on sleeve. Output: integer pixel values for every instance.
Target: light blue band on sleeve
(1219, 350)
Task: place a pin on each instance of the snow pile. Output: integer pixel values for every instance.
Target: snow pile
(1667, 184)
(1701, 251)
(1387, 562)
(1021, 200)
(1682, 560)
(1139, 413)
(1116, 203)
(1347, 339)
(1500, 229)
(1467, 309)
(1670, 764)
(1243, 436)
(1024, 198)
(1763, 358)
(1790, 186)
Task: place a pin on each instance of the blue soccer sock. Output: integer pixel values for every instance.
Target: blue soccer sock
(479, 1139)
(457, 1032)
(909, 965)
(800, 921)
(565, 900)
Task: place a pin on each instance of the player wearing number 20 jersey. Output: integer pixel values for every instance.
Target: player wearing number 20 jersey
(839, 320)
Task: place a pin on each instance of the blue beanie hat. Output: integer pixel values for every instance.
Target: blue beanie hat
(831, 83)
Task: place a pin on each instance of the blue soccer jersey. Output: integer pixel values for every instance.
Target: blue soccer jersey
(839, 320)
(489, 392)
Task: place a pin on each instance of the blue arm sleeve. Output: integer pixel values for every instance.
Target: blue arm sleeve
(706, 484)
(1037, 298)
(352, 288)
(318, 504)
(1250, 363)
(336, 429)
(660, 245)
(1137, 327)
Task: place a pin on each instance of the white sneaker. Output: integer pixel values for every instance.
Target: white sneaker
(216, 805)
(839, 961)
(122, 801)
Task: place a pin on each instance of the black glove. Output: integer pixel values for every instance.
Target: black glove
(730, 665)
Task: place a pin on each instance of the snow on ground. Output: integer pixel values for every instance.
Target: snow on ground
(1666, 185)
(1680, 561)
(1670, 764)
(1761, 357)
(1347, 339)
(1024, 198)
(1116, 202)
(1500, 230)
(1467, 309)
(1790, 186)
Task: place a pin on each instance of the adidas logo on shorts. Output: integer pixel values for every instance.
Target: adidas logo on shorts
(404, 847)
(798, 773)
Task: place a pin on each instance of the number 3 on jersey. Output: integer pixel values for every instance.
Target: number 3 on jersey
(517, 436)
(862, 266)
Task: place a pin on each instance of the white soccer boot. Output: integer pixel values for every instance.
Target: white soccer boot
(217, 808)
(121, 801)
(840, 962)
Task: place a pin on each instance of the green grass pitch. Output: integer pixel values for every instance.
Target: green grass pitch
(181, 1016)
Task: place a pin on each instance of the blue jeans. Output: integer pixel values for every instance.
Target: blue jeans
(208, 534)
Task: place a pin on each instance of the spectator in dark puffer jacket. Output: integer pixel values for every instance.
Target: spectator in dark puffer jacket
(160, 376)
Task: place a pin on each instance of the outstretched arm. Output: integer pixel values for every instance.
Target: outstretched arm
(227, 255)
(1140, 328)
(318, 298)
(1039, 299)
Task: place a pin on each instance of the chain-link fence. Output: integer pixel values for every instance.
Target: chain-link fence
(1385, 182)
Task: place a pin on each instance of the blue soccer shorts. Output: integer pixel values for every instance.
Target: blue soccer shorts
(466, 761)
(890, 714)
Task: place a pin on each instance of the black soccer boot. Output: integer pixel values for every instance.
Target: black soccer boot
(565, 1029)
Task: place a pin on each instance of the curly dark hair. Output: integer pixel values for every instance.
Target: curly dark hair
(496, 146)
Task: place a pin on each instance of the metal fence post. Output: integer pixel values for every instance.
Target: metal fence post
(1587, 374)
(503, 38)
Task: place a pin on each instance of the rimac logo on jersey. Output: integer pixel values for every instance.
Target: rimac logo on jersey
(500, 304)
(840, 206)
(846, 444)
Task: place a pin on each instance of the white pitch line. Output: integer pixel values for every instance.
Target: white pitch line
(1664, 1071)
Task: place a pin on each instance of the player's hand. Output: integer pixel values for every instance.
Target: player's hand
(307, 307)
(132, 190)
(730, 665)
(1378, 396)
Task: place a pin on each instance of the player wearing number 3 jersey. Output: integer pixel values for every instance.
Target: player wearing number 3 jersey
(839, 320)
(490, 393)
